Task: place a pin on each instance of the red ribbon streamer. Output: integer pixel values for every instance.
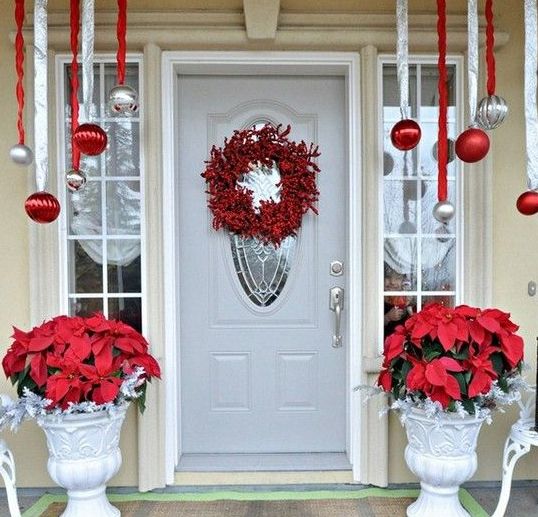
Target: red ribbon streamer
(121, 32)
(19, 67)
(490, 43)
(442, 135)
(75, 22)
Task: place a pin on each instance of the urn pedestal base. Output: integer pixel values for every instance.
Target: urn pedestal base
(441, 453)
(89, 502)
(84, 455)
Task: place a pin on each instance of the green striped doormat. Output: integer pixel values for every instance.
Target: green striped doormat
(368, 502)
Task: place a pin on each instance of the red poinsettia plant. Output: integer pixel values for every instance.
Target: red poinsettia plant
(72, 360)
(454, 356)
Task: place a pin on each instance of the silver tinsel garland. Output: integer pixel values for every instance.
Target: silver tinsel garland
(491, 401)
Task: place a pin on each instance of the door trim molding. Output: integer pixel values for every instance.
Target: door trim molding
(344, 64)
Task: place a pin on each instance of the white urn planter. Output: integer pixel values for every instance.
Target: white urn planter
(442, 454)
(84, 455)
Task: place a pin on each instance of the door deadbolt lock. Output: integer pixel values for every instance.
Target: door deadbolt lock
(337, 268)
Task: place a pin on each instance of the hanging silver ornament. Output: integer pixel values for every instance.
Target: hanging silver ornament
(21, 154)
(443, 211)
(123, 100)
(75, 180)
(492, 110)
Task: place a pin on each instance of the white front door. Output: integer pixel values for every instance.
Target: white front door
(258, 372)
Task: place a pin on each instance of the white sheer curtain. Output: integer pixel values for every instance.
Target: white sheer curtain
(124, 209)
(122, 199)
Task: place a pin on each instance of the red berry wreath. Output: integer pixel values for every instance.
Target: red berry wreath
(232, 205)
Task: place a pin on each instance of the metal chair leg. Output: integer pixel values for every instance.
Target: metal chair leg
(513, 450)
(7, 471)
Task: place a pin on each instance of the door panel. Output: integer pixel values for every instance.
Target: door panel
(260, 378)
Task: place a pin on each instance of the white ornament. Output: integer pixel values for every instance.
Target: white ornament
(75, 180)
(84, 455)
(443, 211)
(441, 452)
(21, 154)
(492, 110)
(123, 100)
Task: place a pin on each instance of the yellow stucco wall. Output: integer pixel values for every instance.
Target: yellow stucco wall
(513, 247)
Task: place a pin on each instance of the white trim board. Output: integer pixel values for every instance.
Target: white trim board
(345, 64)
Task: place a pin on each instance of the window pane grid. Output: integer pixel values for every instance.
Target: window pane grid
(108, 214)
(420, 264)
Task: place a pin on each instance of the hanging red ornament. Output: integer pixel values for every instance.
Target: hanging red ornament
(91, 139)
(472, 145)
(527, 203)
(42, 207)
(405, 134)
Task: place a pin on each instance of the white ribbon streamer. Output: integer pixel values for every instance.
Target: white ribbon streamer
(402, 55)
(41, 151)
(88, 40)
(472, 58)
(531, 113)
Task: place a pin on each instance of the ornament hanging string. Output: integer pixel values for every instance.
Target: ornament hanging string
(75, 22)
(88, 41)
(472, 58)
(19, 67)
(121, 33)
(490, 43)
(442, 135)
(402, 55)
(531, 113)
(41, 151)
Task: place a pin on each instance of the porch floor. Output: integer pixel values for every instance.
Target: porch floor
(523, 498)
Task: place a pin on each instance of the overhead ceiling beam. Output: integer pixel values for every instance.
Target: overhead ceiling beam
(261, 18)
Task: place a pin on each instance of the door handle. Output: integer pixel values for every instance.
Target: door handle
(336, 304)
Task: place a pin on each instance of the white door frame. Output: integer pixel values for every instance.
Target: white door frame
(345, 64)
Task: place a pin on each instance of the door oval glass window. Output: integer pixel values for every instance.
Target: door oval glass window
(262, 269)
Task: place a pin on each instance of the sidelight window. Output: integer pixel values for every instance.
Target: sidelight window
(102, 222)
(420, 255)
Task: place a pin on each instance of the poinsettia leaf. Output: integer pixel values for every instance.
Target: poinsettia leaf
(498, 363)
(406, 368)
(38, 369)
(436, 373)
(480, 383)
(468, 405)
(103, 361)
(489, 323)
(37, 344)
(460, 377)
(452, 387)
(447, 335)
(81, 346)
(431, 353)
(451, 364)
(109, 390)
(503, 384)
(141, 400)
(512, 347)
(462, 353)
